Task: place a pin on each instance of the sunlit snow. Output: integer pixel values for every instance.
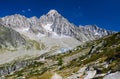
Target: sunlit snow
(47, 27)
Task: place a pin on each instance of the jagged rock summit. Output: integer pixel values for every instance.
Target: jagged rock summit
(52, 12)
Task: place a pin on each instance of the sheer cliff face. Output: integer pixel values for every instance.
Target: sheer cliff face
(53, 24)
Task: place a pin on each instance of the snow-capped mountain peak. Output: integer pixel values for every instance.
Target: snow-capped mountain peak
(52, 12)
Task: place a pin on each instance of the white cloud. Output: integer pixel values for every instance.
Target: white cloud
(29, 9)
(25, 11)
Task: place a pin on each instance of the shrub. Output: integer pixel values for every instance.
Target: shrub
(60, 62)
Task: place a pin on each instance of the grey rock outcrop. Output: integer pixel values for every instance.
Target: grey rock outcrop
(8, 69)
(115, 75)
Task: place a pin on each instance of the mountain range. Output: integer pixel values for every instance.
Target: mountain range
(52, 26)
(50, 32)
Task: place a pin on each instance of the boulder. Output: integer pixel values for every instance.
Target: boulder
(115, 75)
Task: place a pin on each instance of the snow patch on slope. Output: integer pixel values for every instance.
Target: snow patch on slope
(40, 35)
(47, 27)
(22, 29)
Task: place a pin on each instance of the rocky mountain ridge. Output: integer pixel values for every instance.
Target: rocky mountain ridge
(53, 24)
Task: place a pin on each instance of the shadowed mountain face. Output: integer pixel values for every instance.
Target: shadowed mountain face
(13, 40)
(53, 24)
(9, 37)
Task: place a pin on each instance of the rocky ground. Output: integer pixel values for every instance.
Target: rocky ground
(97, 59)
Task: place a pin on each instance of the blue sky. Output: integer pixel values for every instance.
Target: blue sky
(104, 13)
